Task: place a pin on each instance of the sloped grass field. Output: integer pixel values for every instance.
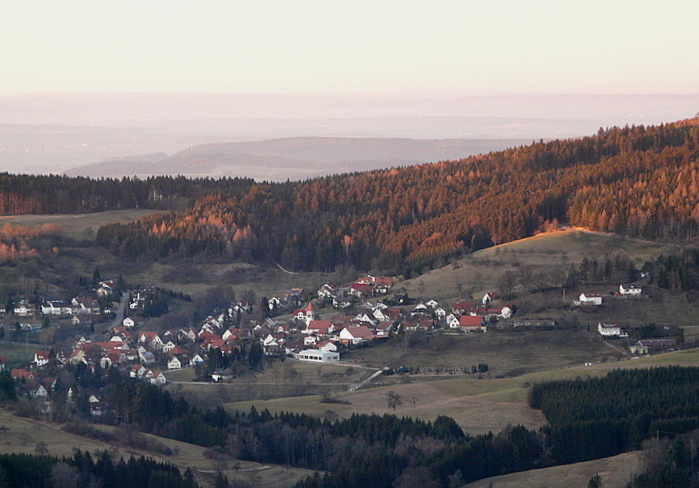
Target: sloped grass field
(478, 405)
(19, 435)
(479, 272)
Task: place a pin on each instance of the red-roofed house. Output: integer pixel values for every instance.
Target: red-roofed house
(356, 335)
(319, 327)
(472, 323)
(41, 358)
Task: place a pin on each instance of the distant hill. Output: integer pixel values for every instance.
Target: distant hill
(293, 158)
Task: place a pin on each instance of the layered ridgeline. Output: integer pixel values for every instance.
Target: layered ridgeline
(639, 181)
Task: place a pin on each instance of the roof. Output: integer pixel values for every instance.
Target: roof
(322, 326)
(360, 332)
(470, 321)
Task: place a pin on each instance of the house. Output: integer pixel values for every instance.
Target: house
(505, 312)
(460, 308)
(23, 374)
(472, 323)
(420, 309)
(96, 406)
(639, 348)
(128, 322)
(77, 356)
(85, 305)
(174, 363)
(41, 358)
(327, 346)
(611, 329)
(145, 356)
(361, 290)
(196, 359)
(452, 321)
(158, 378)
(315, 355)
(383, 329)
(38, 392)
(111, 358)
(292, 347)
(367, 317)
(489, 297)
(326, 292)
(319, 327)
(137, 371)
(630, 290)
(52, 307)
(24, 309)
(590, 299)
(440, 313)
(655, 345)
(383, 284)
(151, 339)
(356, 335)
(169, 346)
(105, 289)
(381, 314)
(274, 303)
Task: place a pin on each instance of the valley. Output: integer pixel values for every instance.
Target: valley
(444, 385)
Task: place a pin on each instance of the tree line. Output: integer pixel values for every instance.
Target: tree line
(83, 470)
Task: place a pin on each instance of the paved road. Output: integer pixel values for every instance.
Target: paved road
(120, 312)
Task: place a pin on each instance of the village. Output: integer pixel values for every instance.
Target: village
(364, 313)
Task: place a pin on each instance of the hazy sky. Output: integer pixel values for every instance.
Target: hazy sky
(408, 47)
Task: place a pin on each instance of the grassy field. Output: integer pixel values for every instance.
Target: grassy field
(479, 405)
(79, 226)
(19, 435)
(614, 472)
(479, 272)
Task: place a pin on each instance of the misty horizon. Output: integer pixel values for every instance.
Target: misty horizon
(46, 133)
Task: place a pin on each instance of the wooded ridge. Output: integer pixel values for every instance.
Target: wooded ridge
(639, 181)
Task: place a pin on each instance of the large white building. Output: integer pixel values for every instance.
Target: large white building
(316, 356)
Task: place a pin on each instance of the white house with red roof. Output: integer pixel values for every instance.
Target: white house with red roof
(472, 323)
(356, 335)
(319, 328)
(158, 378)
(41, 358)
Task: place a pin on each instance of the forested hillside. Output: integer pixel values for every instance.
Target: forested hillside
(640, 181)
